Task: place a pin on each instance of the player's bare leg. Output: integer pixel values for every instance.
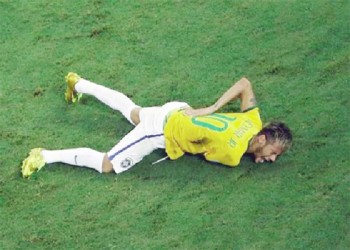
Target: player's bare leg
(107, 166)
(135, 115)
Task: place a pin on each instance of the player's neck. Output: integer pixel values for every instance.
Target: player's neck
(252, 145)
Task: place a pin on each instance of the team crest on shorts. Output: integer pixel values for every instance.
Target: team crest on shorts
(126, 163)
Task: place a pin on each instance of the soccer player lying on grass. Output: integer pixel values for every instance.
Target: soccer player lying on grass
(175, 126)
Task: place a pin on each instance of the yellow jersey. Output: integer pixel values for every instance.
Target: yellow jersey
(220, 137)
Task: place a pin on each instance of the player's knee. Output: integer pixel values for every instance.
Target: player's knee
(107, 165)
(135, 115)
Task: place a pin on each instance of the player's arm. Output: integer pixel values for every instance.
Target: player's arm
(242, 90)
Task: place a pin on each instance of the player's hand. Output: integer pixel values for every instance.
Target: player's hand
(259, 160)
(199, 112)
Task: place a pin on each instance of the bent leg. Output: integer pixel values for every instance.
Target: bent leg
(133, 148)
(112, 98)
(144, 138)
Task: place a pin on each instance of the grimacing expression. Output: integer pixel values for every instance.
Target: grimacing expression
(268, 152)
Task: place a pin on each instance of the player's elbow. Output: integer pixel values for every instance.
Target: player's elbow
(245, 82)
(245, 85)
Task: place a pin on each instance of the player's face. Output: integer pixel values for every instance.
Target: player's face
(268, 152)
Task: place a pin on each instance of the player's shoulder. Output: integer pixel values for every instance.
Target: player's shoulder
(253, 115)
(252, 109)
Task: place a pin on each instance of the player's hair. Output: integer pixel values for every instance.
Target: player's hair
(278, 131)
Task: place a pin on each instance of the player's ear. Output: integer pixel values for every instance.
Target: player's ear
(262, 140)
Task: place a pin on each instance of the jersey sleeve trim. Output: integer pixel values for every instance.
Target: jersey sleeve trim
(249, 109)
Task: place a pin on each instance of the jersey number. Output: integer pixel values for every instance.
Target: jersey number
(214, 122)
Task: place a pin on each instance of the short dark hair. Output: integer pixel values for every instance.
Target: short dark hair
(278, 131)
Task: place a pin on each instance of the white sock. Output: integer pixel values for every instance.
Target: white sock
(110, 97)
(83, 157)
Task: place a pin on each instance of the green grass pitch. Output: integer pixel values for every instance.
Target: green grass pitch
(296, 53)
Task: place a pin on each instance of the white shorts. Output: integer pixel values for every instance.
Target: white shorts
(143, 139)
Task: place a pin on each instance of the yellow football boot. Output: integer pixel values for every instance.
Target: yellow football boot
(35, 161)
(71, 95)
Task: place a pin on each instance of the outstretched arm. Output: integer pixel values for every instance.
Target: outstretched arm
(242, 89)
